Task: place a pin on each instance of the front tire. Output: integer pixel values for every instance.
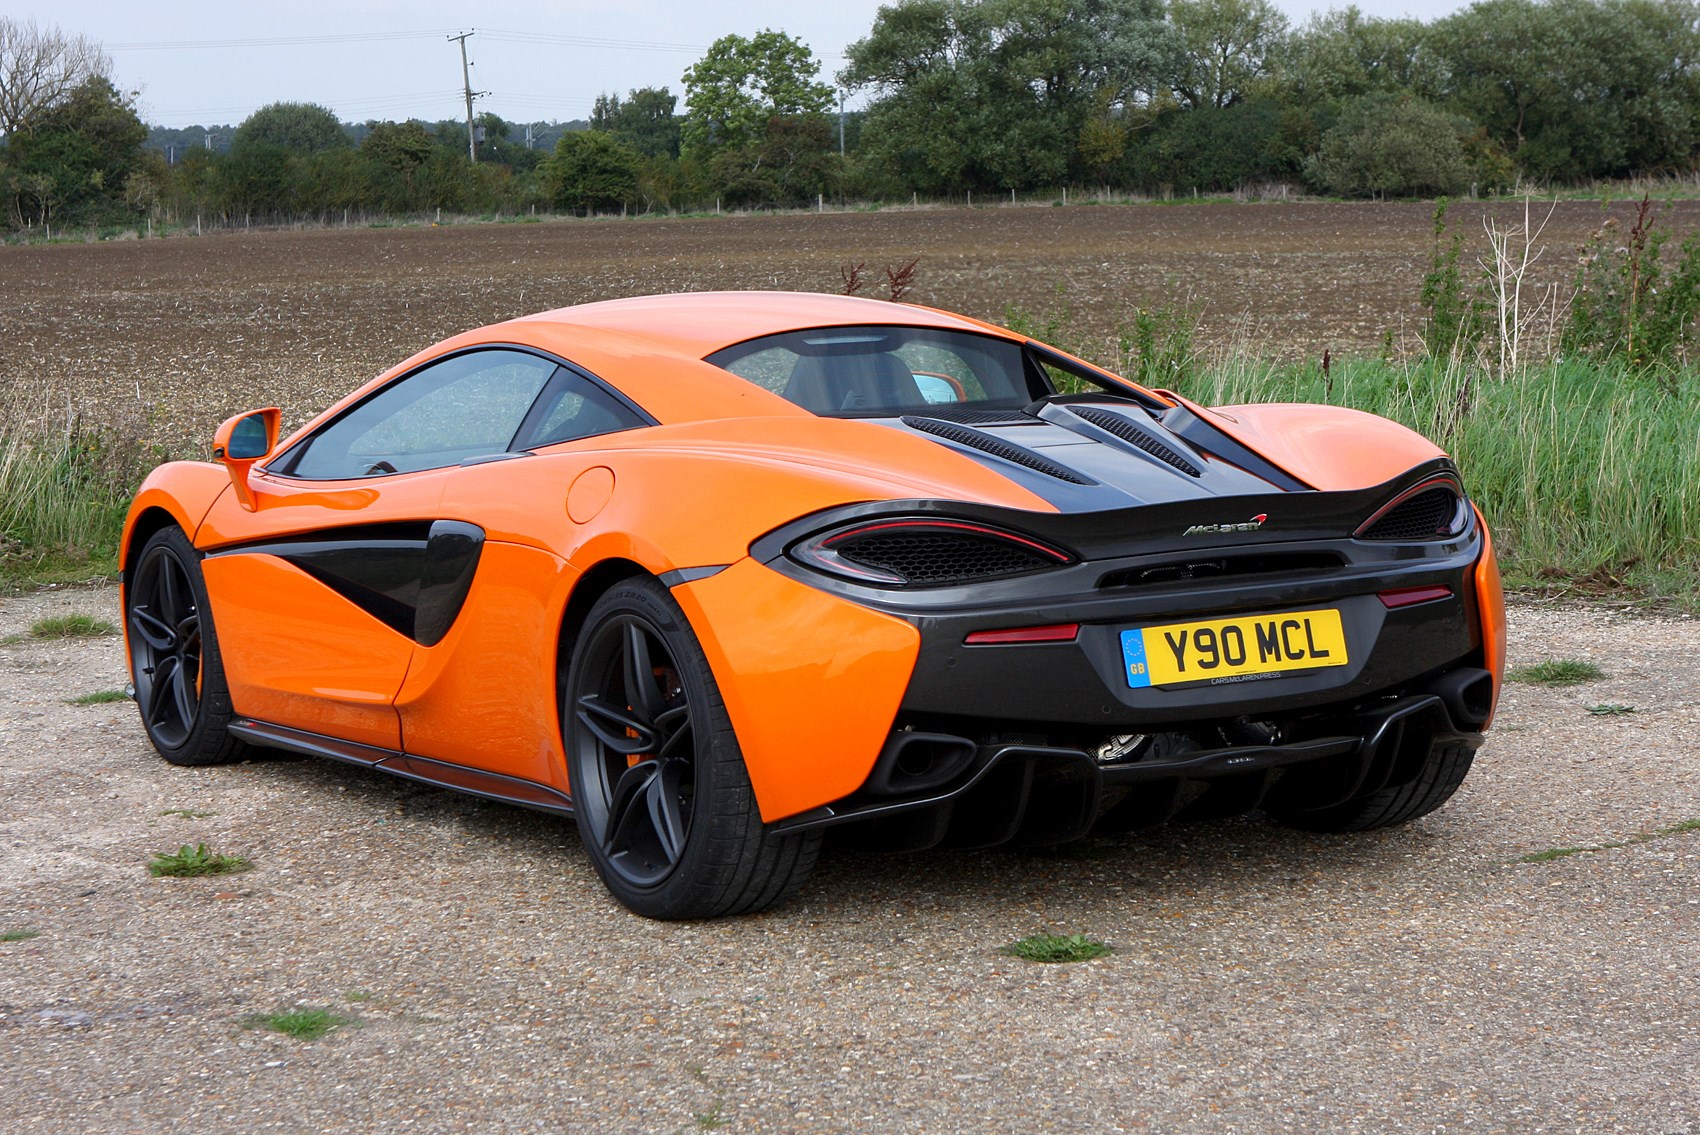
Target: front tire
(660, 792)
(174, 658)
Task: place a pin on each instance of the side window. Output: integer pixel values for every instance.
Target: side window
(440, 415)
(573, 407)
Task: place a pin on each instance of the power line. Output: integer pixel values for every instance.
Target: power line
(275, 41)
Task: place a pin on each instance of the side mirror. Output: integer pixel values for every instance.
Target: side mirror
(243, 440)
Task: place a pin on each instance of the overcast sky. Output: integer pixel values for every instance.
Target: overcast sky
(199, 62)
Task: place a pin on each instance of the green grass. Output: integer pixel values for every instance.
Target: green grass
(1611, 709)
(98, 697)
(188, 861)
(1552, 853)
(1588, 473)
(63, 495)
(19, 935)
(71, 626)
(187, 813)
(1057, 948)
(1556, 672)
(302, 1024)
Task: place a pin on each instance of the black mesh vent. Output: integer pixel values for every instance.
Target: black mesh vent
(1216, 567)
(1426, 516)
(977, 417)
(974, 439)
(924, 557)
(1116, 424)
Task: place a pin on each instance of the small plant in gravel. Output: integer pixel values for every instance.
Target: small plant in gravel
(712, 1119)
(1057, 948)
(19, 935)
(1610, 709)
(187, 813)
(1552, 853)
(98, 697)
(189, 861)
(302, 1024)
(1557, 672)
(71, 626)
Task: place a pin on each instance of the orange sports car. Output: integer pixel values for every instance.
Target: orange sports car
(714, 573)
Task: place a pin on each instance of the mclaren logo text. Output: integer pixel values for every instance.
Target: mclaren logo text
(1251, 525)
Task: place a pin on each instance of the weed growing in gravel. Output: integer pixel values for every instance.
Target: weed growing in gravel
(1557, 672)
(98, 697)
(712, 1119)
(198, 860)
(1610, 709)
(1552, 853)
(302, 1024)
(71, 626)
(187, 813)
(1057, 948)
(19, 935)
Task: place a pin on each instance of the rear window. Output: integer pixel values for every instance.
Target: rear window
(849, 372)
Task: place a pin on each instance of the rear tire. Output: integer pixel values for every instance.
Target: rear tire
(660, 792)
(175, 663)
(1442, 772)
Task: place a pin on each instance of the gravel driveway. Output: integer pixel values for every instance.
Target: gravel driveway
(1421, 979)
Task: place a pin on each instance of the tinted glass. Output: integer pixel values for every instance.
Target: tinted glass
(573, 407)
(462, 407)
(873, 371)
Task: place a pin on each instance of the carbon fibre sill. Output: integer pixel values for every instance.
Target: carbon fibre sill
(424, 770)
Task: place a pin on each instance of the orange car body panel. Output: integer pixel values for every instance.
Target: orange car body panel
(485, 695)
(311, 660)
(811, 682)
(1490, 608)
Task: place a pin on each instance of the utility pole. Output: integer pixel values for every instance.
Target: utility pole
(466, 84)
(841, 122)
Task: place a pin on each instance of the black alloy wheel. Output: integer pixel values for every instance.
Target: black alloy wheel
(660, 792)
(174, 663)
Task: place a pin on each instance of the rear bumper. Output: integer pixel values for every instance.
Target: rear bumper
(986, 795)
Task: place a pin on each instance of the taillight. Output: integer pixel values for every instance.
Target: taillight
(1433, 510)
(926, 553)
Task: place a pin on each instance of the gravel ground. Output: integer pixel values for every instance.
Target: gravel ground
(1417, 980)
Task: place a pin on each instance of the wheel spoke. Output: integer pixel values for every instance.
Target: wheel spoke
(157, 634)
(626, 812)
(641, 691)
(159, 691)
(183, 690)
(674, 727)
(611, 726)
(666, 810)
(170, 594)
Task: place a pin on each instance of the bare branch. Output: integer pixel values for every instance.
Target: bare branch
(39, 68)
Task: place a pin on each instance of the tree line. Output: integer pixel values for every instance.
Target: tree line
(957, 97)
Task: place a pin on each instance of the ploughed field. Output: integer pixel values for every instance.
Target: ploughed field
(164, 338)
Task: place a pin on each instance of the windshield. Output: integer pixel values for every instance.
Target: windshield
(885, 371)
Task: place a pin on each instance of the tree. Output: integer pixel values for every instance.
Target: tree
(76, 160)
(733, 90)
(1578, 88)
(644, 120)
(39, 70)
(1342, 54)
(1006, 93)
(1392, 146)
(299, 127)
(590, 170)
(1228, 47)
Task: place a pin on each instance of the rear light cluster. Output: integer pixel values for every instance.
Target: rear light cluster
(1433, 510)
(926, 553)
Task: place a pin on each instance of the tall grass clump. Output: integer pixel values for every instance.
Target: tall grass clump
(64, 488)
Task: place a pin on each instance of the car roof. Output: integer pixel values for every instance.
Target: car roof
(696, 324)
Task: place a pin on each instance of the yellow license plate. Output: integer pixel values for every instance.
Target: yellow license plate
(1233, 650)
